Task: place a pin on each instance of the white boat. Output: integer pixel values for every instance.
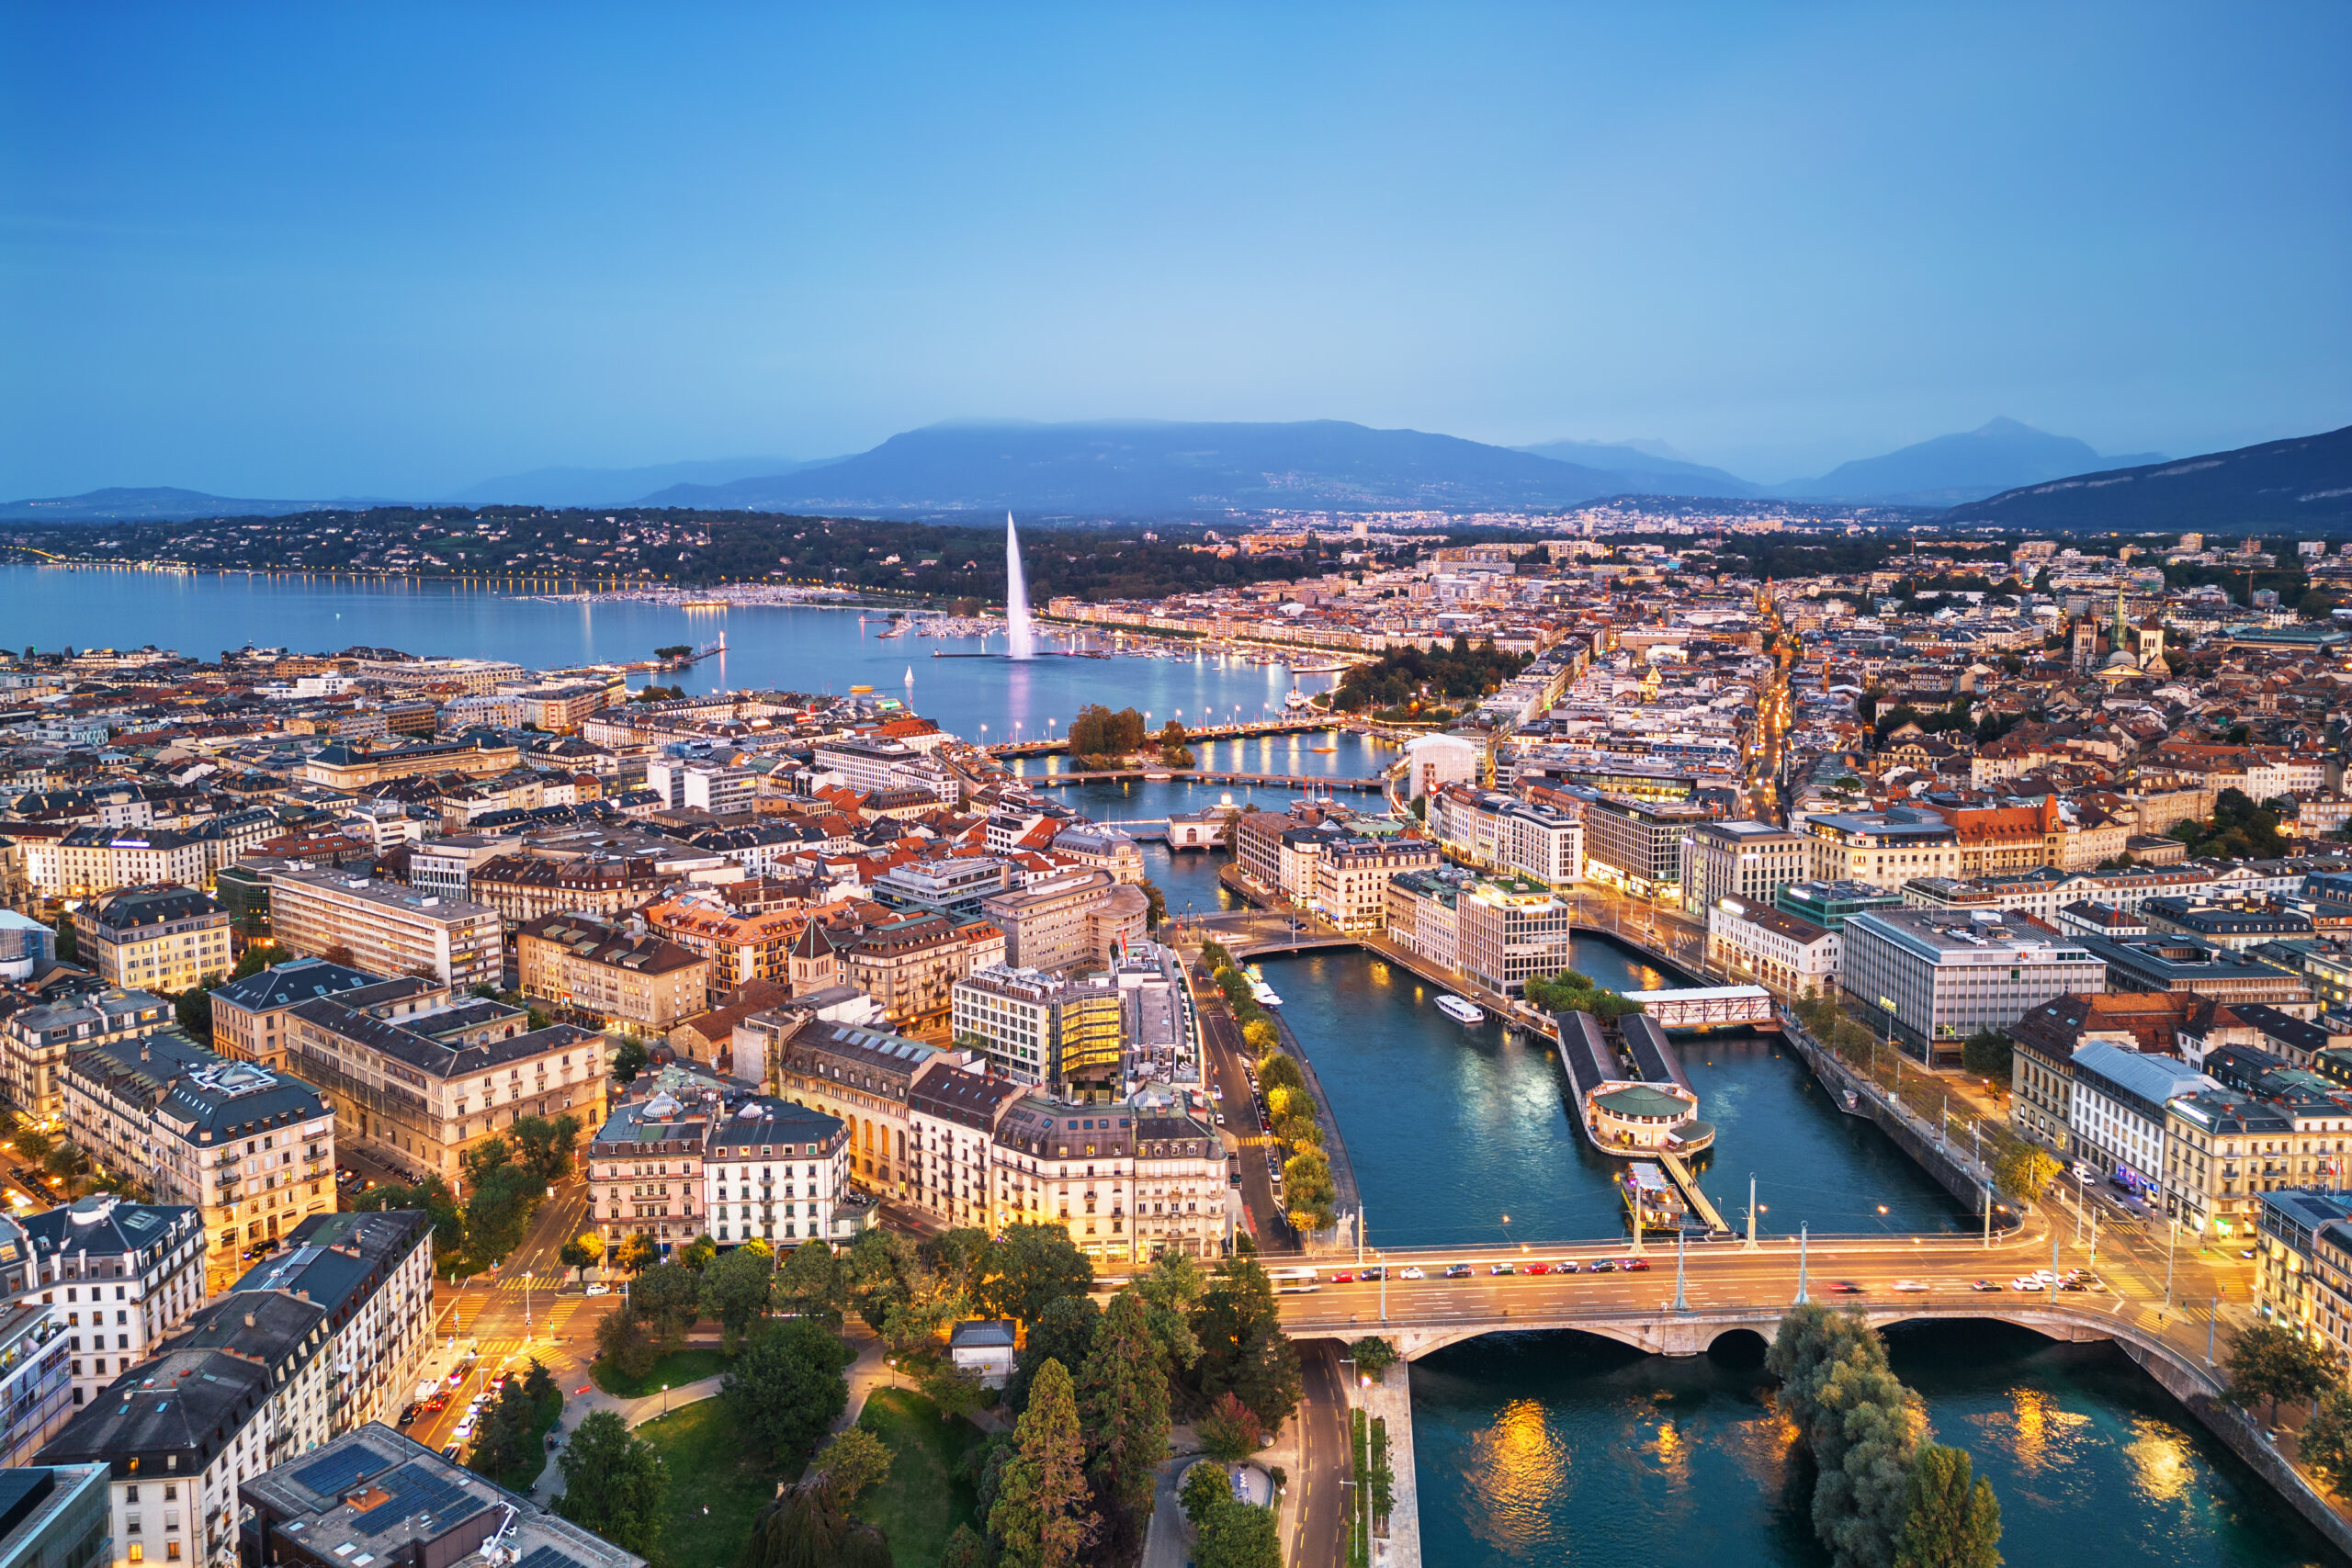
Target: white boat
(1459, 1010)
(1297, 699)
(1259, 991)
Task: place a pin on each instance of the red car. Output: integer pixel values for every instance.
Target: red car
(1634, 1265)
(1343, 1278)
(1539, 1268)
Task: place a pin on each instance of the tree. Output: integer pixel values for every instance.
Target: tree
(1239, 1535)
(583, 1253)
(1951, 1517)
(809, 1283)
(636, 1253)
(1243, 1350)
(2327, 1439)
(544, 1146)
(952, 1390)
(2271, 1363)
(785, 1388)
(854, 1460)
(1171, 1288)
(668, 1299)
(1204, 1488)
(735, 1291)
(192, 1010)
(1858, 1421)
(1122, 1395)
(614, 1485)
(1038, 1517)
(700, 1253)
(256, 959)
(629, 1060)
(964, 1550)
(623, 1342)
(1031, 1267)
(2024, 1171)
(1260, 1036)
(1373, 1356)
(432, 1195)
(1064, 1333)
(1987, 1053)
(1230, 1431)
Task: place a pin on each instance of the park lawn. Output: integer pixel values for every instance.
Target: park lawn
(535, 1464)
(710, 1467)
(677, 1369)
(918, 1506)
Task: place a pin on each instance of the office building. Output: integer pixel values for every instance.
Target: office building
(2120, 1111)
(1075, 919)
(54, 1516)
(384, 928)
(1884, 849)
(860, 1075)
(1751, 861)
(612, 977)
(1937, 977)
(1506, 929)
(1790, 956)
(1039, 1030)
(249, 1015)
(1637, 844)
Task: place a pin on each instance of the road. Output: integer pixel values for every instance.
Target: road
(1319, 1496)
(1227, 1061)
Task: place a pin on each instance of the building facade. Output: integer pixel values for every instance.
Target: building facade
(384, 928)
(161, 938)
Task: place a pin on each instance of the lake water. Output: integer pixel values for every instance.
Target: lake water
(792, 649)
(1564, 1449)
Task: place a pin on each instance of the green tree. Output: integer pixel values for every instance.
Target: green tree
(699, 1254)
(1986, 1055)
(2024, 1171)
(1031, 1267)
(2327, 1439)
(1260, 1036)
(1243, 1350)
(735, 1291)
(1065, 1333)
(636, 1253)
(809, 1283)
(1204, 1488)
(192, 1010)
(629, 1060)
(852, 1461)
(1171, 1288)
(1951, 1518)
(1373, 1356)
(2270, 1362)
(1123, 1397)
(1239, 1535)
(668, 1299)
(614, 1485)
(256, 959)
(544, 1146)
(1040, 1518)
(432, 1195)
(1859, 1423)
(785, 1388)
(964, 1550)
(623, 1342)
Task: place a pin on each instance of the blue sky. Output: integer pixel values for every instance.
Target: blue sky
(349, 250)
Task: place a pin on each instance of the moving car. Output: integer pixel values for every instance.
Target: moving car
(1502, 1269)
(1634, 1265)
(1457, 1270)
(1984, 1285)
(1343, 1278)
(1374, 1272)
(1909, 1287)
(1564, 1266)
(600, 1288)
(1845, 1288)
(1539, 1268)
(1411, 1272)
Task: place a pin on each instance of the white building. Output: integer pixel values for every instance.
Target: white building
(1784, 953)
(1937, 977)
(117, 1276)
(2118, 1110)
(776, 1171)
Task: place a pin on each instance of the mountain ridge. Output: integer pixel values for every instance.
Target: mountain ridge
(2302, 480)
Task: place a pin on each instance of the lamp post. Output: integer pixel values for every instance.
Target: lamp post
(1801, 1242)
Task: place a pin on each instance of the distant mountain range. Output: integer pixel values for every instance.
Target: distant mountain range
(2304, 482)
(1950, 469)
(1152, 468)
(1651, 465)
(2004, 472)
(618, 487)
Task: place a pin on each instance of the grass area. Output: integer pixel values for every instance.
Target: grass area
(925, 1497)
(536, 1464)
(676, 1369)
(708, 1467)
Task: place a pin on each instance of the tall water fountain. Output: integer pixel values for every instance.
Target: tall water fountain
(1016, 596)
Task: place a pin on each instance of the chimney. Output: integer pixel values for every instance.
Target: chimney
(249, 1320)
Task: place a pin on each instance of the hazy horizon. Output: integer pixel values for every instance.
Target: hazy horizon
(287, 252)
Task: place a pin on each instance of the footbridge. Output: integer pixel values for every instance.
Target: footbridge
(1702, 1006)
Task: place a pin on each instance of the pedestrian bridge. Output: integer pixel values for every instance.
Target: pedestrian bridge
(1700, 1007)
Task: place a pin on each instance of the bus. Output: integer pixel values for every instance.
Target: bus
(1293, 1281)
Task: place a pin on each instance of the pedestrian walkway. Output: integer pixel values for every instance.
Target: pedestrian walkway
(578, 1407)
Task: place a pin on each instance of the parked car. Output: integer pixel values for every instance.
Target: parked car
(600, 1288)
(1564, 1266)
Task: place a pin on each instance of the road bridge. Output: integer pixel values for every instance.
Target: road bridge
(1289, 723)
(1308, 781)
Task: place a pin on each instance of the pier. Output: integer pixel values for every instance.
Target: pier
(1306, 722)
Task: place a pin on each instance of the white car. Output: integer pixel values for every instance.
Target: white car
(1410, 1272)
(600, 1289)
(465, 1429)
(1909, 1287)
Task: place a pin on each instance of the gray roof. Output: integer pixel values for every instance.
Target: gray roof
(764, 1121)
(182, 1080)
(290, 983)
(109, 1227)
(2141, 1074)
(337, 1260)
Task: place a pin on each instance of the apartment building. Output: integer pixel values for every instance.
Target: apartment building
(249, 1015)
(95, 860)
(1881, 850)
(625, 979)
(2120, 1112)
(526, 887)
(1750, 861)
(1495, 831)
(1073, 920)
(1422, 917)
(384, 928)
(862, 1075)
(243, 1390)
(778, 1172)
(440, 1514)
(1039, 1030)
(2303, 1272)
(645, 1170)
(1637, 844)
(1938, 977)
(162, 937)
(250, 1150)
(117, 1276)
(445, 866)
(418, 1082)
(1071, 1166)
(699, 784)
(952, 1117)
(1182, 1203)
(909, 965)
(34, 1043)
(2041, 1066)
(350, 768)
(1786, 954)
(373, 1273)
(2221, 1156)
(1351, 878)
(2181, 964)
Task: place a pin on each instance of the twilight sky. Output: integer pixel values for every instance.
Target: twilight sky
(389, 251)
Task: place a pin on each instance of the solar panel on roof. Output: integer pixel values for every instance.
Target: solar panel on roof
(330, 1475)
(549, 1557)
(417, 1490)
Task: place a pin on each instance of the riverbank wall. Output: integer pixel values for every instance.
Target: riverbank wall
(1392, 1400)
(1347, 1200)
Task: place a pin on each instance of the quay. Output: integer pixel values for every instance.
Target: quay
(1289, 723)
